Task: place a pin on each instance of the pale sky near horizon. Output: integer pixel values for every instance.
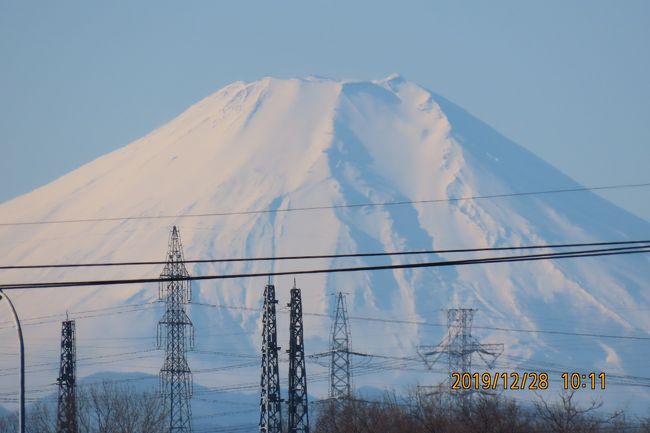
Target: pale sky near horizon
(566, 79)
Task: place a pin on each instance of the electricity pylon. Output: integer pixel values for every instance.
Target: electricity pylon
(270, 398)
(459, 345)
(176, 334)
(340, 352)
(298, 403)
(66, 419)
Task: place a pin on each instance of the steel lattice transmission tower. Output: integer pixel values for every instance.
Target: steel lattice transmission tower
(66, 420)
(459, 345)
(340, 352)
(298, 403)
(270, 398)
(176, 334)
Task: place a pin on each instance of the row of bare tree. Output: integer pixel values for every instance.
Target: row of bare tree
(111, 408)
(438, 413)
(103, 408)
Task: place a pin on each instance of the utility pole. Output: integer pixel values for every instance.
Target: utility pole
(270, 398)
(459, 345)
(21, 379)
(176, 334)
(340, 352)
(66, 420)
(298, 402)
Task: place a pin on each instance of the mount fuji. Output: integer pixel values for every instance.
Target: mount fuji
(272, 145)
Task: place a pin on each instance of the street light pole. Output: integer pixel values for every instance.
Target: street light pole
(21, 409)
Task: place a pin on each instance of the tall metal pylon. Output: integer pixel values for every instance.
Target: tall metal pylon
(340, 352)
(66, 419)
(298, 403)
(176, 334)
(270, 398)
(459, 345)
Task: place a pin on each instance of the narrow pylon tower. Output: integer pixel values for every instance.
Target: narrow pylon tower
(340, 352)
(460, 345)
(66, 419)
(298, 402)
(270, 398)
(176, 335)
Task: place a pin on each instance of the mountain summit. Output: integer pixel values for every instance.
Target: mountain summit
(227, 163)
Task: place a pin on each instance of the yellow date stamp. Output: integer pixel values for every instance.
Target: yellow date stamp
(532, 381)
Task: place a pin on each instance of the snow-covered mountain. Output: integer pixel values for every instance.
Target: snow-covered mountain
(277, 144)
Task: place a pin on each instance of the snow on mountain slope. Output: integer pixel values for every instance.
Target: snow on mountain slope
(277, 144)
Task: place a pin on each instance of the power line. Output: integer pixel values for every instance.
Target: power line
(88, 316)
(340, 206)
(382, 320)
(503, 329)
(331, 256)
(76, 313)
(441, 325)
(488, 260)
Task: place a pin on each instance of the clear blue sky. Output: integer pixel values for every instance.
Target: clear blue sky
(566, 79)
